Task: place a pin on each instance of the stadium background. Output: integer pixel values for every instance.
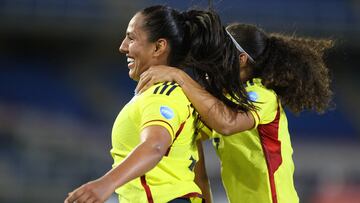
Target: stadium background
(63, 81)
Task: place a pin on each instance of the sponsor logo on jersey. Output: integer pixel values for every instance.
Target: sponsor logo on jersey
(253, 96)
(167, 112)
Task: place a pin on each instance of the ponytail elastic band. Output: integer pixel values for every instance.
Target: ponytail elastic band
(238, 47)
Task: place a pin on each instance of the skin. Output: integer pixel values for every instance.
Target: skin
(201, 178)
(227, 122)
(155, 140)
(142, 53)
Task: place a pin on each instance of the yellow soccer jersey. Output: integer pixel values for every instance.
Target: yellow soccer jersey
(257, 165)
(166, 105)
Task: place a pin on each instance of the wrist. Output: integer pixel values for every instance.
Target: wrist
(179, 77)
(111, 180)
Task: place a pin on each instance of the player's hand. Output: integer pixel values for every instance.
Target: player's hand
(97, 191)
(155, 74)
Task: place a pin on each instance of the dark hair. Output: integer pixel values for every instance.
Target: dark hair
(291, 66)
(198, 41)
(165, 22)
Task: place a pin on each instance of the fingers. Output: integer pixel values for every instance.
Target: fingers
(154, 75)
(74, 196)
(83, 198)
(80, 195)
(146, 86)
(143, 83)
(92, 200)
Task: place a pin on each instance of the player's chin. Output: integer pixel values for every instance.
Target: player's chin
(134, 76)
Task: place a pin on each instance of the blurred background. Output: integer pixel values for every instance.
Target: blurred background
(63, 82)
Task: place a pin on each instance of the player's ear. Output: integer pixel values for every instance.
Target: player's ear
(243, 58)
(161, 46)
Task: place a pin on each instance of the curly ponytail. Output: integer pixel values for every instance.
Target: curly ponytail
(292, 66)
(296, 71)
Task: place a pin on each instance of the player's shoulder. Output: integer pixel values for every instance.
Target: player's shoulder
(257, 92)
(168, 95)
(167, 89)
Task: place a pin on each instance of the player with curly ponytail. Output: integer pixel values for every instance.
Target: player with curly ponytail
(291, 66)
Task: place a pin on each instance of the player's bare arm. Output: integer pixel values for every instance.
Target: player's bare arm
(213, 112)
(155, 141)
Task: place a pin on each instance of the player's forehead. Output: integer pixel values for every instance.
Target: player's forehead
(135, 26)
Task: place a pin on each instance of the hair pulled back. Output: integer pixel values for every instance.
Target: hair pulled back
(198, 41)
(292, 66)
(165, 22)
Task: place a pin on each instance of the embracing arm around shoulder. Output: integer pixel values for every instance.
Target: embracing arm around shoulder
(155, 141)
(213, 112)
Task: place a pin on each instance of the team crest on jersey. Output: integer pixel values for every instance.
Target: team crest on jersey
(253, 96)
(166, 112)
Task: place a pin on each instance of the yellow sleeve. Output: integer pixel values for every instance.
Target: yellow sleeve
(164, 111)
(266, 102)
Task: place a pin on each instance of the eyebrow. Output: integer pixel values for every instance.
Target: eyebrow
(130, 34)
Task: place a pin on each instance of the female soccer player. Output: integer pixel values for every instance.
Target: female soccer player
(278, 71)
(153, 136)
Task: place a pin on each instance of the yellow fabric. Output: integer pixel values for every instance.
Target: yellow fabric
(165, 105)
(244, 170)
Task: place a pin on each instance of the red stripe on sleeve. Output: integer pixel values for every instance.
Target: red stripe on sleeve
(272, 149)
(176, 135)
(178, 132)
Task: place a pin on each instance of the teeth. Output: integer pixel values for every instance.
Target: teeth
(130, 60)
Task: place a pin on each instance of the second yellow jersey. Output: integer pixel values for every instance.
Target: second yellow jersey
(165, 105)
(257, 165)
